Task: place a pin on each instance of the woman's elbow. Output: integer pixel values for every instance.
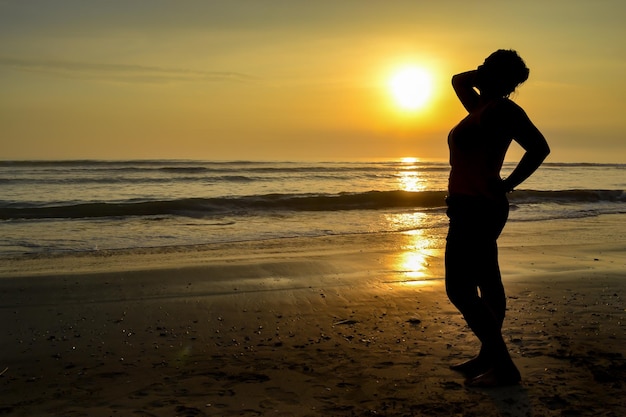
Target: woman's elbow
(458, 80)
(541, 152)
(540, 146)
(545, 150)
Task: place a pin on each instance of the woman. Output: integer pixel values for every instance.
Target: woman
(478, 207)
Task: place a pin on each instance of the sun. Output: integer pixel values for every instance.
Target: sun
(411, 87)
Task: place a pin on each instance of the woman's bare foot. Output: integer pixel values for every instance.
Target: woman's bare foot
(473, 367)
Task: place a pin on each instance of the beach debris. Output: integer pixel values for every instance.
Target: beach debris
(451, 385)
(414, 321)
(188, 411)
(347, 321)
(4, 370)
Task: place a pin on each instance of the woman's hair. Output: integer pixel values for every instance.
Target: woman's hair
(503, 71)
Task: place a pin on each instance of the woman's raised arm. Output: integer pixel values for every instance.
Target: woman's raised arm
(463, 85)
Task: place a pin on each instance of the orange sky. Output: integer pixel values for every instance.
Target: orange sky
(294, 80)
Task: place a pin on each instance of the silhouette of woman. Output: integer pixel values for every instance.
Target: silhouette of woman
(478, 207)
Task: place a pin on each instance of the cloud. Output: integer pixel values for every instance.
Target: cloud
(120, 72)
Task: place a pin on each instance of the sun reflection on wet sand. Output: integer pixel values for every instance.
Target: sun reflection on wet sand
(414, 265)
(417, 262)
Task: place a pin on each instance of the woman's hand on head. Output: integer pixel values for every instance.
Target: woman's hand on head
(463, 85)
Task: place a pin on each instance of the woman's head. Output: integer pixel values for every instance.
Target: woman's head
(501, 73)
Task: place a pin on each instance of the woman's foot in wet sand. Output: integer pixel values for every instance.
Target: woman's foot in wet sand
(493, 379)
(473, 367)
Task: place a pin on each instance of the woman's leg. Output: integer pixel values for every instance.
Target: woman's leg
(463, 263)
(490, 284)
(483, 312)
(472, 264)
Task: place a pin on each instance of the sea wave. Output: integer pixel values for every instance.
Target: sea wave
(371, 200)
(121, 180)
(211, 206)
(567, 196)
(584, 164)
(84, 173)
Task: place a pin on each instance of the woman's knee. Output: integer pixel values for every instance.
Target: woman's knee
(462, 296)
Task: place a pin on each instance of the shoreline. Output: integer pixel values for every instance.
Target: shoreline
(549, 233)
(345, 325)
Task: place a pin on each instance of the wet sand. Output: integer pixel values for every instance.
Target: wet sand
(334, 326)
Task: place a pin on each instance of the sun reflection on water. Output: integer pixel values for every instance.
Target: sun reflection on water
(421, 246)
(409, 177)
(407, 221)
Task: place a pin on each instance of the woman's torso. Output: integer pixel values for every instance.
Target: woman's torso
(477, 146)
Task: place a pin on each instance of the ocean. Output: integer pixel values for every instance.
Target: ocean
(56, 207)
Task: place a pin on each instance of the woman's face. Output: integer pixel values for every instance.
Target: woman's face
(488, 78)
(482, 77)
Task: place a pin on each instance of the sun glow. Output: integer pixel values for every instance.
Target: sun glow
(411, 87)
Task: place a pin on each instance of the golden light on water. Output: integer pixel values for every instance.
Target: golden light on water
(406, 221)
(417, 263)
(409, 178)
(411, 181)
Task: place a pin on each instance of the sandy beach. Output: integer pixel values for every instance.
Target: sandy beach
(355, 325)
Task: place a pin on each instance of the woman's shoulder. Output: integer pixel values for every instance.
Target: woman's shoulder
(504, 108)
(502, 116)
